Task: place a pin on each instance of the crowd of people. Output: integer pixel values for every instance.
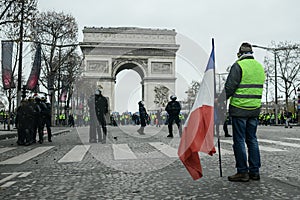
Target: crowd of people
(284, 118)
(32, 116)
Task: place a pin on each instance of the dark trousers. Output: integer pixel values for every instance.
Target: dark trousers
(95, 130)
(171, 120)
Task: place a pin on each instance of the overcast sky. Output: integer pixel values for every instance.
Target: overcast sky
(229, 22)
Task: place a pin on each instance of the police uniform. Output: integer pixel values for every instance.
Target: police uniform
(173, 109)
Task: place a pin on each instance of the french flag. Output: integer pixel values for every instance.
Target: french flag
(198, 131)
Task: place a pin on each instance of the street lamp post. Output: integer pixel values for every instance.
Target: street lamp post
(19, 86)
(274, 50)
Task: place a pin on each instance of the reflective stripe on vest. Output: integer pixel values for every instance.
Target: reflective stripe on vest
(249, 92)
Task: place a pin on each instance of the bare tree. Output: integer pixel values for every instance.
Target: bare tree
(191, 94)
(288, 68)
(11, 11)
(58, 34)
(71, 70)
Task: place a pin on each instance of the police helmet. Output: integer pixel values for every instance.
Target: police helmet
(97, 92)
(173, 97)
(141, 103)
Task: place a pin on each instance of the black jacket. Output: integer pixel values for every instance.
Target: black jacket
(173, 108)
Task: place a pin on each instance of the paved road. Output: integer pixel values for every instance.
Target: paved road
(133, 166)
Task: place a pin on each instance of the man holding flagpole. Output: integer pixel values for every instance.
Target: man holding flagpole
(244, 87)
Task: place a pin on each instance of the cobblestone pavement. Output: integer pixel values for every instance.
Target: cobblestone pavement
(144, 171)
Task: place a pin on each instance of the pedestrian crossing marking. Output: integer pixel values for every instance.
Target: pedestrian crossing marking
(5, 149)
(122, 152)
(76, 154)
(7, 180)
(8, 184)
(24, 174)
(280, 143)
(262, 148)
(26, 156)
(293, 139)
(223, 151)
(165, 149)
(11, 176)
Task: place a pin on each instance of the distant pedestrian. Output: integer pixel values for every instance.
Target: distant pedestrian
(173, 109)
(221, 117)
(71, 121)
(158, 118)
(143, 117)
(101, 107)
(288, 119)
(244, 87)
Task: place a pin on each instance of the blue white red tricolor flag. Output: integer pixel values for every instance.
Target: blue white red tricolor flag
(198, 131)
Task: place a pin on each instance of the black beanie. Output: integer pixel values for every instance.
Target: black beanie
(245, 48)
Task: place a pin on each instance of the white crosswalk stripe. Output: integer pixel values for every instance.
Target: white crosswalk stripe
(224, 151)
(261, 147)
(5, 149)
(165, 149)
(121, 152)
(26, 156)
(76, 154)
(280, 143)
(298, 139)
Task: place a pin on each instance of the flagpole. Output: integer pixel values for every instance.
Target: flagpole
(218, 133)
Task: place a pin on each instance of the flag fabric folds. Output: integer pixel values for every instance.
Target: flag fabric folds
(33, 78)
(198, 131)
(7, 51)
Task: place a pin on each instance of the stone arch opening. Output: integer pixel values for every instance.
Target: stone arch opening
(129, 65)
(128, 84)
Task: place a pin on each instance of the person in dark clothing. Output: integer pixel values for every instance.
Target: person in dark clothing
(36, 120)
(98, 106)
(173, 109)
(101, 108)
(143, 117)
(24, 123)
(221, 113)
(158, 118)
(46, 117)
(40, 110)
(71, 121)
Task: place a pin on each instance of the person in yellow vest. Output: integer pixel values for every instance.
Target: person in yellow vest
(244, 87)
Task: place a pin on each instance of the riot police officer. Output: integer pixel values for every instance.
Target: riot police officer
(25, 123)
(173, 109)
(46, 116)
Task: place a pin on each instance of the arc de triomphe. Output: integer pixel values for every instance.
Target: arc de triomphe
(149, 52)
